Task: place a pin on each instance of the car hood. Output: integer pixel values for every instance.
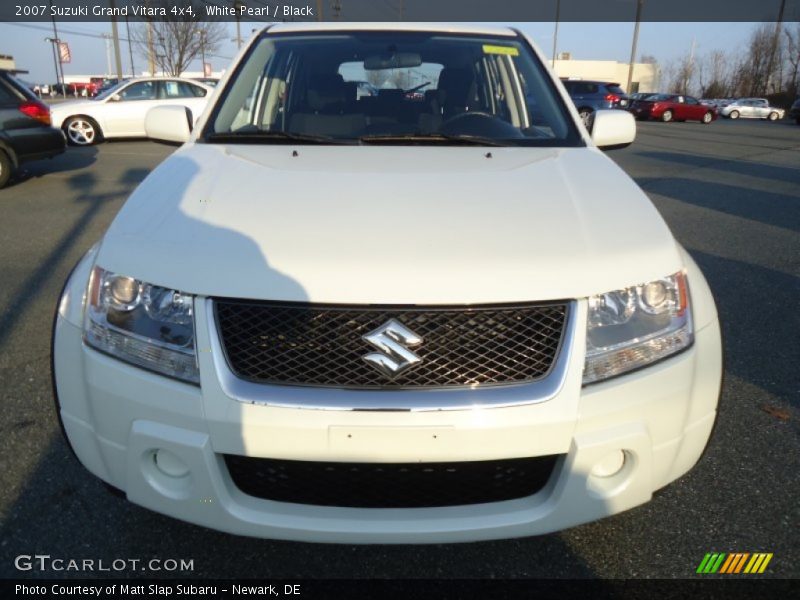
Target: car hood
(384, 225)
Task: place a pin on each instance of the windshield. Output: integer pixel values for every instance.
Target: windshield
(391, 87)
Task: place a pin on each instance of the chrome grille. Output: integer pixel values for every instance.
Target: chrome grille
(323, 345)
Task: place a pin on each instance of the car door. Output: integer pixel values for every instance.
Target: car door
(694, 110)
(184, 93)
(760, 109)
(746, 109)
(123, 113)
(678, 108)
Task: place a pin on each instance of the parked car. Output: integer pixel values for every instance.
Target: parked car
(351, 319)
(794, 111)
(209, 81)
(97, 85)
(120, 110)
(25, 131)
(752, 108)
(591, 96)
(638, 96)
(673, 107)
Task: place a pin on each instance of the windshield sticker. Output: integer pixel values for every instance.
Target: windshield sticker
(507, 50)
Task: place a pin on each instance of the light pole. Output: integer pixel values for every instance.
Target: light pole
(203, 50)
(555, 34)
(107, 38)
(53, 42)
(130, 47)
(57, 41)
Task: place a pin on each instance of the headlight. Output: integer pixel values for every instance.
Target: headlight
(635, 326)
(146, 325)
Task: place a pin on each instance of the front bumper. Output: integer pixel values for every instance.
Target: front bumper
(116, 417)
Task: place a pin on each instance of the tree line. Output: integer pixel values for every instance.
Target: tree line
(766, 66)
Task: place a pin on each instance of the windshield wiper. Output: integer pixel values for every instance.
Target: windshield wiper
(466, 140)
(256, 136)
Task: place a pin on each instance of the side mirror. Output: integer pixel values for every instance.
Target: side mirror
(115, 98)
(169, 124)
(613, 129)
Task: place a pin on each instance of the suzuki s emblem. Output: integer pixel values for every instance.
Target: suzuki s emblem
(393, 339)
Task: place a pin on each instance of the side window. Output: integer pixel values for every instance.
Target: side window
(196, 90)
(7, 96)
(690, 100)
(591, 88)
(141, 90)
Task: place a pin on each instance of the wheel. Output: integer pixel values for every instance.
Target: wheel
(666, 116)
(734, 114)
(773, 116)
(82, 131)
(707, 118)
(586, 117)
(5, 168)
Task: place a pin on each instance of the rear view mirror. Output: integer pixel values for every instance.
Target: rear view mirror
(395, 60)
(169, 124)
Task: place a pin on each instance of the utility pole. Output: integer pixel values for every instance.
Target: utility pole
(115, 34)
(555, 33)
(237, 7)
(319, 10)
(639, 4)
(130, 47)
(401, 9)
(774, 47)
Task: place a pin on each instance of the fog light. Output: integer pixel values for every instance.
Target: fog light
(610, 465)
(170, 465)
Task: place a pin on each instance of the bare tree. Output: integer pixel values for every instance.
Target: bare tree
(713, 79)
(175, 44)
(755, 76)
(792, 41)
(376, 78)
(678, 74)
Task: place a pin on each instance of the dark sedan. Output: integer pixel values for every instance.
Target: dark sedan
(25, 131)
(673, 107)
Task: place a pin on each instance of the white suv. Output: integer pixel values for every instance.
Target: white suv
(398, 317)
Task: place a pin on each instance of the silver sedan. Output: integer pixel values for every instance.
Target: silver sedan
(752, 108)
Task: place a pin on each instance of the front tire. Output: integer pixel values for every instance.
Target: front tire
(666, 116)
(773, 116)
(734, 114)
(707, 118)
(5, 168)
(82, 131)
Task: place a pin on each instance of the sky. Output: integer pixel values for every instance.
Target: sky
(585, 41)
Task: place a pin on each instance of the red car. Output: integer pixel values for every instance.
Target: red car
(673, 107)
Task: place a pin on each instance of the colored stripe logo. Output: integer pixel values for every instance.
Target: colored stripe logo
(734, 563)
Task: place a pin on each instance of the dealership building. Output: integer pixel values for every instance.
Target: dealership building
(645, 75)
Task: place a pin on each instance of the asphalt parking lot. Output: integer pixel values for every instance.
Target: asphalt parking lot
(730, 192)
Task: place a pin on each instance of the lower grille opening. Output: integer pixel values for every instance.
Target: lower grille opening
(390, 485)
